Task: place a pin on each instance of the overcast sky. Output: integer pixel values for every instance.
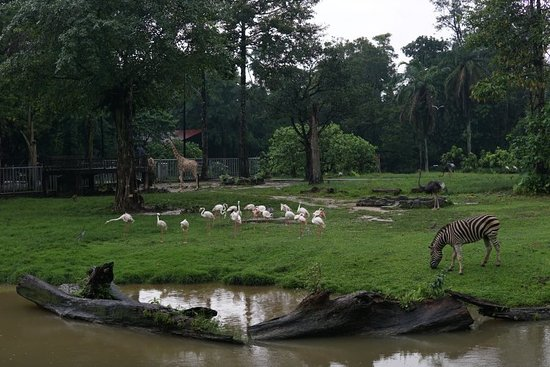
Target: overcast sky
(404, 19)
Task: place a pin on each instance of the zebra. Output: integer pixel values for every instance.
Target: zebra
(463, 231)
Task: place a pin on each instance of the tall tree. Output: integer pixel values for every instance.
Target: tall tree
(453, 15)
(419, 102)
(518, 32)
(459, 84)
(117, 54)
(264, 31)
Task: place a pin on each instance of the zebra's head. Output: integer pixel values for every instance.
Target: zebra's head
(436, 254)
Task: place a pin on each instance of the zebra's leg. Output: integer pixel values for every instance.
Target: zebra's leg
(453, 257)
(458, 254)
(488, 249)
(496, 245)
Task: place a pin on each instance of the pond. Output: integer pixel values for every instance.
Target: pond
(30, 336)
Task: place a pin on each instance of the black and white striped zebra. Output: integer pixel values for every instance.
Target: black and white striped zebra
(464, 231)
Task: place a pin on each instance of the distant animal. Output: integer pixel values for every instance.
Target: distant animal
(463, 231)
(237, 221)
(209, 216)
(267, 214)
(319, 213)
(289, 216)
(432, 187)
(249, 207)
(219, 209)
(285, 208)
(318, 221)
(448, 168)
(162, 226)
(302, 210)
(126, 218)
(302, 220)
(184, 224)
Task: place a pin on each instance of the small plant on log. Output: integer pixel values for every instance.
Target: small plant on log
(433, 290)
(314, 278)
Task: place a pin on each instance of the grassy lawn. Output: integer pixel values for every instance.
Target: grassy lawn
(40, 236)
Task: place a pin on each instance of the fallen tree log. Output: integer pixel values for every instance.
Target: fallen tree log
(364, 313)
(122, 311)
(487, 308)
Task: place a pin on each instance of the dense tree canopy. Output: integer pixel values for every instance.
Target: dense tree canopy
(96, 79)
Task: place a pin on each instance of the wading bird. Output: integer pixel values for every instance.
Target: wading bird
(184, 224)
(126, 218)
(162, 226)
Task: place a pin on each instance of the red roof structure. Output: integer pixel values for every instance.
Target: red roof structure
(187, 134)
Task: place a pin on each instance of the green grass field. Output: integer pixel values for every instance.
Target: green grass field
(40, 236)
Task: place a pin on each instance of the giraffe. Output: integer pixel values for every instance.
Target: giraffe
(184, 165)
(150, 174)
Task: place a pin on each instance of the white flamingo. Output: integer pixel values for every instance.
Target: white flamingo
(285, 208)
(318, 221)
(266, 214)
(289, 216)
(208, 216)
(300, 218)
(320, 213)
(237, 220)
(163, 227)
(126, 218)
(219, 209)
(302, 210)
(184, 224)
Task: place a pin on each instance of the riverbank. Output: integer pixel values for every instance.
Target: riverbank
(57, 239)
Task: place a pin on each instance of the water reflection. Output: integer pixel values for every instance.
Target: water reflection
(30, 336)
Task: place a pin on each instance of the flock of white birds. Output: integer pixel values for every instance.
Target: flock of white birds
(258, 212)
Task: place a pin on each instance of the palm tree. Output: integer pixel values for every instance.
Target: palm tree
(418, 98)
(459, 85)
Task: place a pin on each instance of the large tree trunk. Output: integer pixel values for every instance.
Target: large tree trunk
(120, 310)
(122, 110)
(316, 176)
(364, 313)
(244, 170)
(426, 161)
(204, 118)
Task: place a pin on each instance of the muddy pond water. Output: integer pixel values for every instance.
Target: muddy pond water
(30, 336)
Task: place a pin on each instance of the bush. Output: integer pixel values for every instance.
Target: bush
(455, 155)
(500, 161)
(340, 152)
(470, 163)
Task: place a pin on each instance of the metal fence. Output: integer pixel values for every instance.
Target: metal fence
(167, 169)
(20, 180)
(28, 180)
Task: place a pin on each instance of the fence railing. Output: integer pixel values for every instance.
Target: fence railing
(167, 169)
(29, 179)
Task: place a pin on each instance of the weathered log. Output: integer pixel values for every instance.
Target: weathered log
(487, 308)
(402, 202)
(388, 191)
(122, 311)
(364, 313)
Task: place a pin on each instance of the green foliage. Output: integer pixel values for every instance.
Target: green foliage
(455, 155)
(498, 160)
(340, 152)
(531, 142)
(470, 163)
(159, 150)
(432, 290)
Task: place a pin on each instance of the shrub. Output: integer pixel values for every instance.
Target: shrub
(455, 155)
(340, 152)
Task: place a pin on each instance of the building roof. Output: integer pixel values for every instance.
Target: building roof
(187, 134)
